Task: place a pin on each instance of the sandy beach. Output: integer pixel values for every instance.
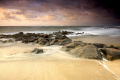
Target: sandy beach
(17, 63)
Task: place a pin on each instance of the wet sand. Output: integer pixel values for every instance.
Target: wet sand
(108, 40)
(53, 64)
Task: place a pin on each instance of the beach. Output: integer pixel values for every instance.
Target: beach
(17, 63)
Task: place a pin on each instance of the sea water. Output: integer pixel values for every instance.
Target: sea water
(88, 30)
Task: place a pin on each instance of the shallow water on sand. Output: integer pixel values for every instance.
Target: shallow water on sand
(53, 64)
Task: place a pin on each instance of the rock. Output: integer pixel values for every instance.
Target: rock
(64, 41)
(36, 41)
(37, 51)
(31, 39)
(10, 40)
(54, 42)
(112, 46)
(33, 50)
(79, 43)
(99, 45)
(42, 41)
(5, 41)
(45, 36)
(47, 44)
(64, 37)
(110, 53)
(20, 33)
(24, 40)
(58, 36)
(18, 39)
(88, 51)
(66, 49)
(71, 45)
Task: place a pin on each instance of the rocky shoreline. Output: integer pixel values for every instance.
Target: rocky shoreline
(75, 48)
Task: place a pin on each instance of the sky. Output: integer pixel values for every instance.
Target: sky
(59, 13)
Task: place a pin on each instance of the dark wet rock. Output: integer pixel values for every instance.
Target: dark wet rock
(18, 39)
(88, 52)
(46, 36)
(99, 45)
(20, 33)
(112, 46)
(24, 40)
(110, 53)
(31, 39)
(33, 50)
(42, 41)
(37, 51)
(58, 36)
(64, 37)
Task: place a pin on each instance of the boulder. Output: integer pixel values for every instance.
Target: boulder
(99, 45)
(88, 51)
(110, 53)
(37, 51)
(33, 50)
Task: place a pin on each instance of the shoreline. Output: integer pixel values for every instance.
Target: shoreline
(53, 64)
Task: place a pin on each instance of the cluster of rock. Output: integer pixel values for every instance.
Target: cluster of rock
(57, 38)
(76, 48)
(5, 41)
(92, 50)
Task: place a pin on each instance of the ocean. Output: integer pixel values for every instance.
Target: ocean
(88, 30)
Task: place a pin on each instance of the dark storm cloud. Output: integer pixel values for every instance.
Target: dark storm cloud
(101, 8)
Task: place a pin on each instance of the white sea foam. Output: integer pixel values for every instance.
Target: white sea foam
(87, 30)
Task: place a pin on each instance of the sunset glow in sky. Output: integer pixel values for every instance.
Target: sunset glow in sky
(59, 13)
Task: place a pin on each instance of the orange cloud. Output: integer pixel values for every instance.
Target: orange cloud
(51, 17)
